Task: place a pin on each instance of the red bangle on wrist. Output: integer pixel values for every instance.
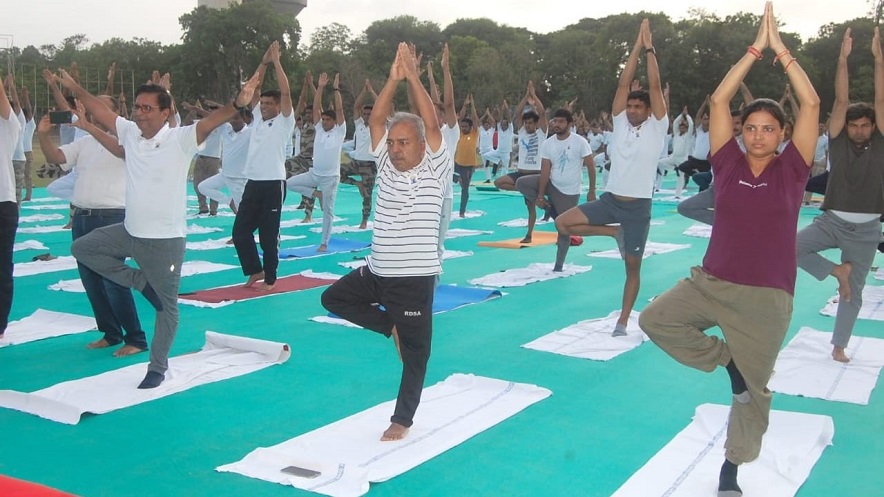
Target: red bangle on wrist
(755, 53)
(780, 55)
(786, 67)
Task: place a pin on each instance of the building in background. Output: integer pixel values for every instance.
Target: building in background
(289, 7)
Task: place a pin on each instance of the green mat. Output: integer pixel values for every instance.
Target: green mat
(602, 423)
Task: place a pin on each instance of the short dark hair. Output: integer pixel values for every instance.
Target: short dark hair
(736, 112)
(330, 113)
(860, 110)
(468, 121)
(246, 113)
(642, 95)
(163, 97)
(772, 107)
(274, 94)
(367, 107)
(530, 116)
(564, 113)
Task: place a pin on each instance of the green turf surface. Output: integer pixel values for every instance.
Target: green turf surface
(602, 423)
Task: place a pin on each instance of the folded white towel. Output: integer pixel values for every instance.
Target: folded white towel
(651, 248)
(36, 218)
(41, 229)
(221, 358)
(591, 338)
(457, 233)
(39, 267)
(195, 229)
(699, 231)
(45, 324)
(525, 275)
(873, 304)
(29, 245)
(522, 223)
(349, 453)
(688, 466)
(805, 367)
(345, 229)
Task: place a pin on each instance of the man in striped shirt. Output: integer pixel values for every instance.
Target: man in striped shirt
(413, 166)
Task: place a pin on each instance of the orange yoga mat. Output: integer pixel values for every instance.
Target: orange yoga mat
(538, 238)
(11, 487)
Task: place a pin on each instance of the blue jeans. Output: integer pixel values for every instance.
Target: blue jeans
(112, 304)
(703, 180)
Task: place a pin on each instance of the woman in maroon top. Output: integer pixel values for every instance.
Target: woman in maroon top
(747, 280)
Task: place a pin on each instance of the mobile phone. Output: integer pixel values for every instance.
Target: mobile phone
(60, 117)
(300, 472)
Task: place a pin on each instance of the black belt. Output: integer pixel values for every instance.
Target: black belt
(99, 212)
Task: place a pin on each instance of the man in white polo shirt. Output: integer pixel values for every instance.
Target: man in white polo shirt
(640, 125)
(362, 162)
(153, 234)
(322, 180)
(261, 206)
(208, 163)
(413, 167)
(10, 130)
(99, 200)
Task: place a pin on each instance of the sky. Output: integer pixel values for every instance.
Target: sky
(39, 23)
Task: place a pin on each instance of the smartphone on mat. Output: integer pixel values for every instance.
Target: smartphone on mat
(300, 472)
(60, 117)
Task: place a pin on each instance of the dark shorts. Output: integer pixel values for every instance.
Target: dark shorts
(518, 174)
(634, 217)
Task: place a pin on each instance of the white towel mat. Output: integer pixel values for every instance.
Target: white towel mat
(457, 233)
(29, 245)
(805, 367)
(466, 215)
(291, 223)
(522, 223)
(195, 229)
(221, 358)
(879, 275)
(525, 275)
(873, 304)
(688, 466)
(447, 254)
(41, 229)
(651, 248)
(62, 263)
(699, 231)
(591, 338)
(219, 243)
(45, 324)
(189, 268)
(349, 453)
(46, 207)
(36, 218)
(345, 229)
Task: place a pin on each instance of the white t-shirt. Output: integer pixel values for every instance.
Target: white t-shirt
(566, 161)
(451, 135)
(156, 179)
(596, 141)
(822, 146)
(266, 159)
(362, 141)
(28, 134)
(505, 139)
(634, 156)
(701, 145)
(486, 140)
(235, 150)
(405, 239)
(327, 150)
(10, 130)
(212, 144)
(529, 149)
(101, 176)
(19, 153)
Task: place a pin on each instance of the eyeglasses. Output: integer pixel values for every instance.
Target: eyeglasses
(146, 109)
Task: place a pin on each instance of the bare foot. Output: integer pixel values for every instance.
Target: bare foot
(527, 239)
(839, 355)
(264, 287)
(322, 248)
(842, 274)
(364, 224)
(232, 206)
(307, 219)
(229, 242)
(127, 350)
(395, 334)
(98, 344)
(254, 279)
(394, 432)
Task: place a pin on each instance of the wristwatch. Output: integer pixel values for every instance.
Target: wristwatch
(651, 50)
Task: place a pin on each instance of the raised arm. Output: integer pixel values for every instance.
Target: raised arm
(879, 80)
(422, 99)
(720, 129)
(699, 116)
(13, 93)
(745, 93)
(623, 86)
(111, 71)
(100, 112)
(60, 102)
(535, 101)
(317, 98)
(383, 105)
(53, 154)
(838, 118)
(448, 90)
(520, 110)
(220, 116)
(5, 106)
(305, 93)
(26, 103)
(360, 100)
(806, 130)
(659, 105)
(473, 114)
(285, 99)
(108, 141)
(339, 103)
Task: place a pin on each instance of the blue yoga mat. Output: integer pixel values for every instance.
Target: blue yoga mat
(335, 246)
(450, 297)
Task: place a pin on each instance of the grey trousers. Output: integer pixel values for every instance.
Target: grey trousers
(700, 207)
(528, 186)
(159, 260)
(858, 244)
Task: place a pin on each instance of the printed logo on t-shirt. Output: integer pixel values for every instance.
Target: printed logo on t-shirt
(532, 146)
(759, 185)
